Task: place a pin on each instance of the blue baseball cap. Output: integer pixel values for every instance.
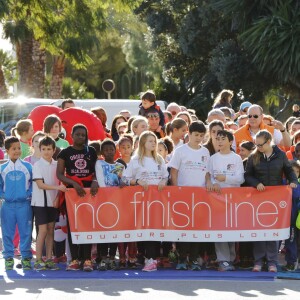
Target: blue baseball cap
(245, 105)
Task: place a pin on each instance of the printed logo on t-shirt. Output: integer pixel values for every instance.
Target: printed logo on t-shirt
(230, 170)
(112, 173)
(196, 165)
(14, 176)
(204, 158)
(151, 176)
(80, 164)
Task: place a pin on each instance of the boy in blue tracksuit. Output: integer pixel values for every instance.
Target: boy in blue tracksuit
(15, 189)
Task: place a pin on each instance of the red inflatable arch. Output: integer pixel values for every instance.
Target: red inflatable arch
(39, 113)
(69, 118)
(74, 115)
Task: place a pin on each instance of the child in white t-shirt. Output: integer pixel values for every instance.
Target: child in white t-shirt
(146, 168)
(189, 167)
(44, 202)
(226, 170)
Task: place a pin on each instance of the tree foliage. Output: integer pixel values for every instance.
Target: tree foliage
(205, 46)
(270, 31)
(200, 52)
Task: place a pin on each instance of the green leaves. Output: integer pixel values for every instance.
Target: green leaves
(273, 42)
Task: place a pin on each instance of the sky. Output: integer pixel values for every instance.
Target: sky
(4, 44)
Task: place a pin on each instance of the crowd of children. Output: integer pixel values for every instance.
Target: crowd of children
(159, 148)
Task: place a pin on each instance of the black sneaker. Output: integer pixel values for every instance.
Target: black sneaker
(102, 265)
(122, 264)
(112, 265)
(288, 268)
(132, 265)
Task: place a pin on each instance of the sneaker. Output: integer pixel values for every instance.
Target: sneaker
(112, 265)
(132, 264)
(62, 259)
(51, 265)
(245, 264)
(39, 265)
(87, 266)
(256, 268)
(225, 266)
(26, 263)
(182, 266)
(150, 265)
(195, 266)
(211, 262)
(9, 264)
(166, 263)
(272, 269)
(122, 264)
(73, 265)
(289, 267)
(102, 265)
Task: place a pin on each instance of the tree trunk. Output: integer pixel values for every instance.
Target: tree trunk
(3, 88)
(38, 76)
(58, 70)
(25, 66)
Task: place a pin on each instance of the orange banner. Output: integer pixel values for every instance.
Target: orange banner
(179, 214)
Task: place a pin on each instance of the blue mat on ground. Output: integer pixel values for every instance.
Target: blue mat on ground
(161, 274)
(288, 275)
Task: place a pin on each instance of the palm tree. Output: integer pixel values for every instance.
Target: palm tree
(269, 31)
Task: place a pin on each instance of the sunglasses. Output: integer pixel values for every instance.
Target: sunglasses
(173, 113)
(260, 145)
(153, 116)
(254, 116)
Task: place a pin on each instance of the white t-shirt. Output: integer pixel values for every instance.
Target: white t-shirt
(42, 169)
(192, 165)
(150, 171)
(169, 156)
(230, 165)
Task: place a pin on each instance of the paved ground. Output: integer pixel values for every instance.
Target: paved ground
(137, 290)
(151, 289)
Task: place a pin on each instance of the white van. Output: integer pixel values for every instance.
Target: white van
(12, 110)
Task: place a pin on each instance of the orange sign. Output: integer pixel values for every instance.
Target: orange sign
(179, 214)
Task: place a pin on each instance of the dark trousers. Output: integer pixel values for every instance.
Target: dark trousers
(166, 247)
(190, 249)
(152, 249)
(291, 243)
(102, 249)
(78, 251)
